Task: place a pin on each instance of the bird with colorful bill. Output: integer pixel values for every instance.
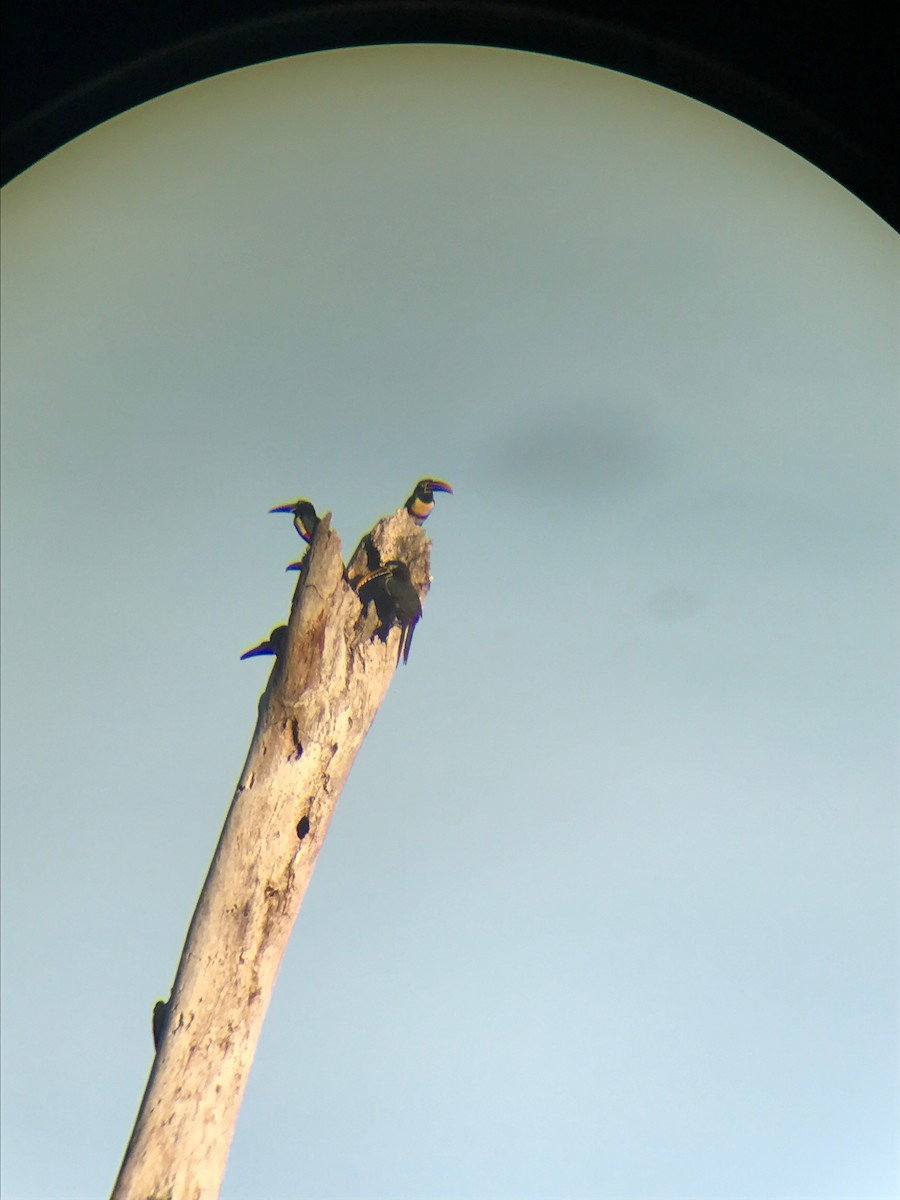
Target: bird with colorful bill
(396, 600)
(421, 502)
(306, 521)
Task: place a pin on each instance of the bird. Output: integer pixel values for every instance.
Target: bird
(395, 598)
(306, 522)
(274, 644)
(160, 1017)
(421, 502)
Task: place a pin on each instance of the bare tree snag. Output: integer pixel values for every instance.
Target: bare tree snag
(322, 696)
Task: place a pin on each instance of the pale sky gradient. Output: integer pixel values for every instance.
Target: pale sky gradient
(609, 908)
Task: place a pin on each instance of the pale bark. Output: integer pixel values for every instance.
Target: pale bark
(321, 698)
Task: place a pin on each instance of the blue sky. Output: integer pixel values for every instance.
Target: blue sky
(609, 906)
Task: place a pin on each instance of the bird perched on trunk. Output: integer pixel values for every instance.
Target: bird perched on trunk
(306, 522)
(274, 644)
(395, 599)
(160, 1017)
(421, 502)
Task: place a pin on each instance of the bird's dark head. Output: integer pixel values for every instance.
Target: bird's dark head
(425, 488)
(278, 638)
(397, 569)
(299, 508)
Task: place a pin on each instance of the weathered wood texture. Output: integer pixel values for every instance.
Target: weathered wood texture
(321, 698)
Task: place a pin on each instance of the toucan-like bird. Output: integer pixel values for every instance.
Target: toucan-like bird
(421, 502)
(396, 599)
(160, 1017)
(306, 522)
(274, 643)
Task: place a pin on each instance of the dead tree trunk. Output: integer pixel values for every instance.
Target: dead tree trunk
(322, 696)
